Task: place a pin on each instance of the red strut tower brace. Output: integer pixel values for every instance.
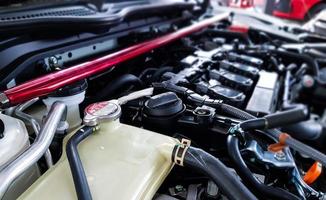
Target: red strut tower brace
(46, 84)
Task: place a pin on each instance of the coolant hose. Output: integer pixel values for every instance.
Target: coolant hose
(207, 164)
(258, 188)
(76, 167)
(117, 84)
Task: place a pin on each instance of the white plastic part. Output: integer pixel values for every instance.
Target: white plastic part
(136, 95)
(15, 139)
(15, 142)
(120, 161)
(72, 103)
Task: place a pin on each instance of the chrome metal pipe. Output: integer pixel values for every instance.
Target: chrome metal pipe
(19, 112)
(35, 151)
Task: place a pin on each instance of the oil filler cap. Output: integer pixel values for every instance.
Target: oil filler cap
(101, 112)
(163, 105)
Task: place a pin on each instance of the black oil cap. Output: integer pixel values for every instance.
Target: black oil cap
(72, 89)
(163, 105)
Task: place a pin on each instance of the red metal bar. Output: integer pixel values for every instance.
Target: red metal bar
(49, 83)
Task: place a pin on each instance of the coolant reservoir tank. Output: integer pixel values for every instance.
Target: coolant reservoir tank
(14, 139)
(120, 161)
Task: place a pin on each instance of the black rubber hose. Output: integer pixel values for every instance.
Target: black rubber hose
(298, 114)
(308, 59)
(207, 164)
(159, 72)
(114, 86)
(312, 62)
(76, 166)
(235, 112)
(260, 189)
(146, 72)
(307, 130)
(276, 120)
(253, 124)
(307, 150)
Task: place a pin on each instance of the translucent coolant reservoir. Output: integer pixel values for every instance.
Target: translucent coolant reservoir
(121, 162)
(14, 141)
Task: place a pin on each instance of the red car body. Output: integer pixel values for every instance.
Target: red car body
(288, 9)
(297, 9)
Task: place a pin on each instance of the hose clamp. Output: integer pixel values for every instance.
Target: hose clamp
(180, 151)
(237, 132)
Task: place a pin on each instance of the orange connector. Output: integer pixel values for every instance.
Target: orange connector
(279, 146)
(313, 173)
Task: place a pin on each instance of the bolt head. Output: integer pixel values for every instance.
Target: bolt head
(280, 156)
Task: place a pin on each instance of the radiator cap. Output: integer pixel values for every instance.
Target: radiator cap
(101, 111)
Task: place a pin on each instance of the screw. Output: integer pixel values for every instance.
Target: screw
(53, 62)
(179, 188)
(280, 156)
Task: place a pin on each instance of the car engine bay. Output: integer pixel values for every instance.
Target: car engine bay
(177, 110)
